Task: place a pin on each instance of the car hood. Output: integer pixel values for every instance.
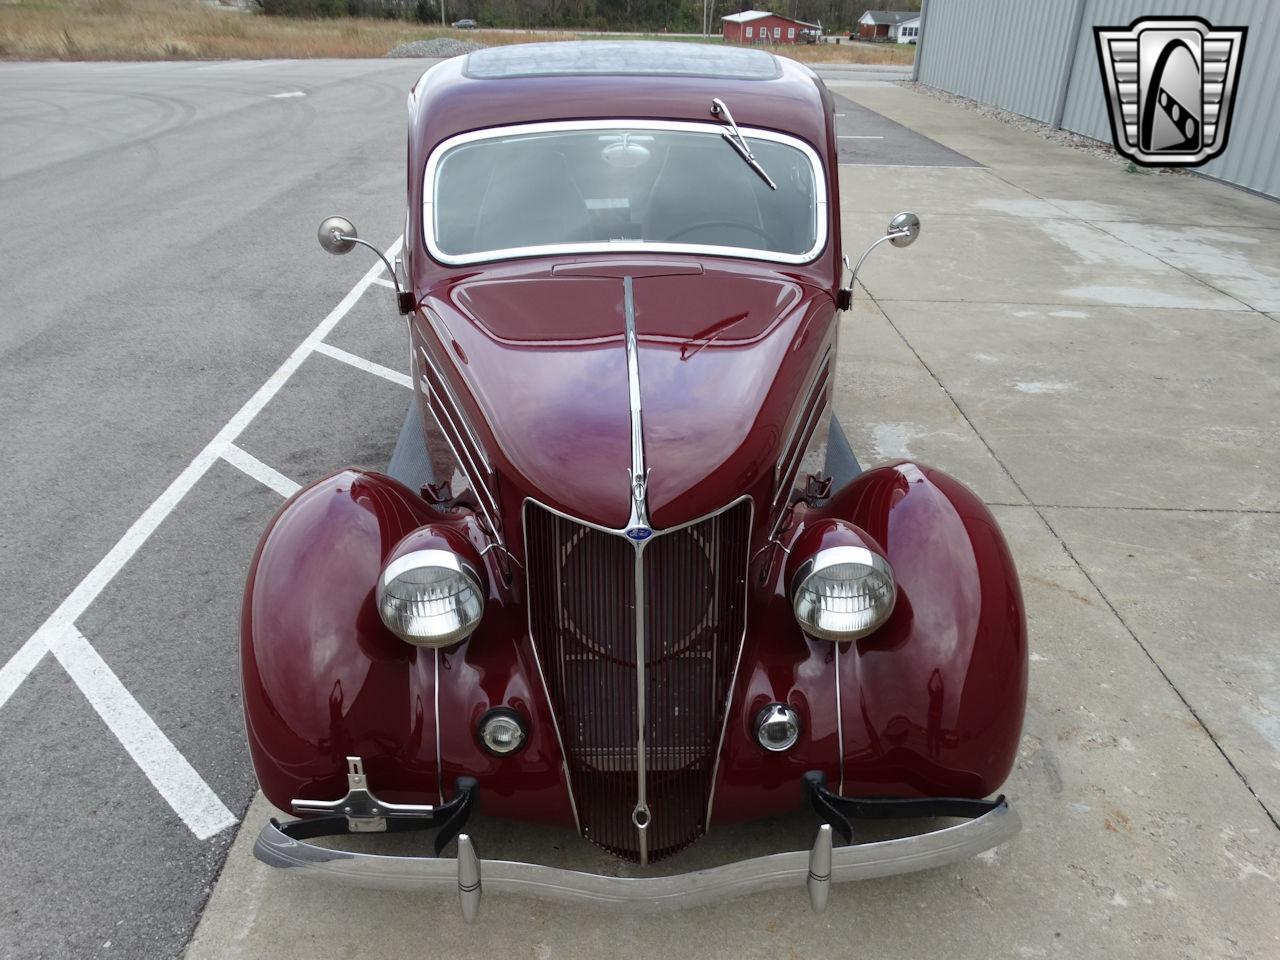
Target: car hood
(724, 356)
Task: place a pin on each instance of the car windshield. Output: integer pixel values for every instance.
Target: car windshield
(597, 187)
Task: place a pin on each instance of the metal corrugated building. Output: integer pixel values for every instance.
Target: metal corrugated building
(1037, 58)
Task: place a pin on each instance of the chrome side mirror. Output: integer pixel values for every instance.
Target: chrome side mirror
(902, 232)
(337, 235)
(903, 229)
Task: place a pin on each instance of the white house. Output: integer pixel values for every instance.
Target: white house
(909, 30)
(882, 24)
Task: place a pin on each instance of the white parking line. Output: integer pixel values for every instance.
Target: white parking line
(168, 770)
(59, 628)
(269, 476)
(854, 137)
(285, 96)
(386, 373)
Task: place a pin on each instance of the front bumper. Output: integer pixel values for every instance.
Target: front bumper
(993, 822)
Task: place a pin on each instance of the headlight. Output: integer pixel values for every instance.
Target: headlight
(843, 593)
(430, 598)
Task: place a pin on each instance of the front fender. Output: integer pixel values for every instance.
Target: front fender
(932, 702)
(323, 679)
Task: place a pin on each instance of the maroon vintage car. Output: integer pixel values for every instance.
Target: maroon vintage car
(652, 592)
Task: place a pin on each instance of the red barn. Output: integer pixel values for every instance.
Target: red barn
(761, 26)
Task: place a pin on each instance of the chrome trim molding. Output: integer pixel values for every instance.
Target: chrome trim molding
(622, 531)
(839, 718)
(559, 249)
(484, 496)
(439, 737)
(791, 453)
(640, 816)
(728, 700)
(453, 396)
(542, 676)
(795, 869)
(789, 473)
(638, 529)
(794, 446)
(638, 532)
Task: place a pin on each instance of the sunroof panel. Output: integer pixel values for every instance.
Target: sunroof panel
(621, 57)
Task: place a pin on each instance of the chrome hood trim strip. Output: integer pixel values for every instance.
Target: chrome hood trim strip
(638, 529)
(638, 532)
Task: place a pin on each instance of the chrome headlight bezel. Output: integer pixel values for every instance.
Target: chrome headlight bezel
(465, 605)
(803, 607)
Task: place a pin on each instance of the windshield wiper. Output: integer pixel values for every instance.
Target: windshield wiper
(738, 142)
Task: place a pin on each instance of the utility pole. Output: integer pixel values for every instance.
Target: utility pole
(442, 20)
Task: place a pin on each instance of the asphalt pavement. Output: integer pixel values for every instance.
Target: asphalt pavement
(159, 263)
(1097, 354)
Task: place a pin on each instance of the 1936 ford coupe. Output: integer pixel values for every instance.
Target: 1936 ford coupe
(653, 593)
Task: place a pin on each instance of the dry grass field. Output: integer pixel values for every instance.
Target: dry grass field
(191, 30)
(847, 52)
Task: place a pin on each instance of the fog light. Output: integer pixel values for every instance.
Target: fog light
(502, 731)
(777, 727)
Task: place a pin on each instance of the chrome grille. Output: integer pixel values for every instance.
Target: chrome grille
(582, 585)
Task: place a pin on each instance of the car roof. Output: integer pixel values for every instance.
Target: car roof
(631, 79)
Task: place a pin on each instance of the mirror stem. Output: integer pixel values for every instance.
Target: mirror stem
(406, 305)
(866, 253)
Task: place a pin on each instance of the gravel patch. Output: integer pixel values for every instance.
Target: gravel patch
(1076, 141)
(439, 47)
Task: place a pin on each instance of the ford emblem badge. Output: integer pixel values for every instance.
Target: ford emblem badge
(639, 533)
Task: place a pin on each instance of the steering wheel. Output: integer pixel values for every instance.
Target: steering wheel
(740, 224)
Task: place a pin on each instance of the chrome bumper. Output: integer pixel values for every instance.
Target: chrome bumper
(816, 868)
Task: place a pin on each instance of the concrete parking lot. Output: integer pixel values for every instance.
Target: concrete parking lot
(1096, 352)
